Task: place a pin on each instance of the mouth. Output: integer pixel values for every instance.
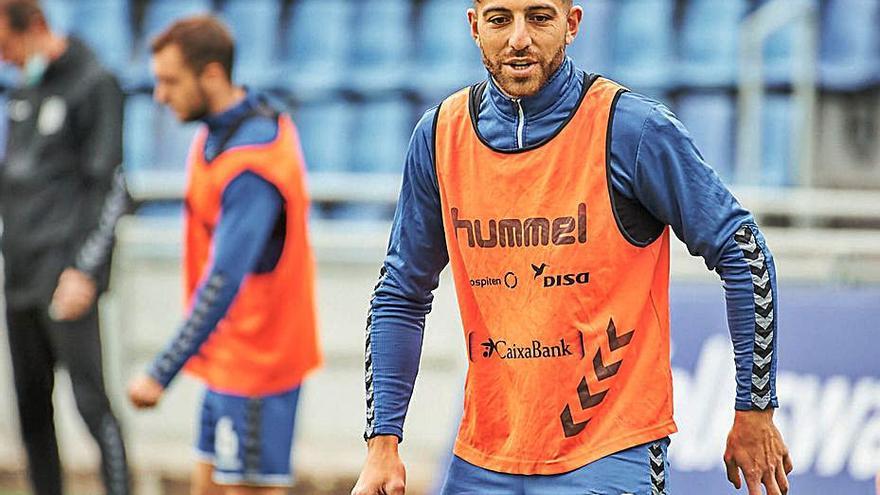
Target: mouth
(521, 66)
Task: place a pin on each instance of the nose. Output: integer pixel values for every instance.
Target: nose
(159, 94)
(520, 38)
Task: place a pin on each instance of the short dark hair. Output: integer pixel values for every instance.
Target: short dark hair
(203, 39)
(567, 2)
(21, 13)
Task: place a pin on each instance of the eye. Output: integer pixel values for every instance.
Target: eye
(498, 20)
(541, 18)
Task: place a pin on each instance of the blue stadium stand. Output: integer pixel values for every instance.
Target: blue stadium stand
(324, 130)
(60, 14)
(255, 25)
(382, 42)
(710, 118)
(776, 135)
(850, 46)
(381, 135)
(779, 57)
(447, 57)
(139, 133)
(592, 48)
(643, 42)
(709, 43)
(159, 15)
(105, 25)
(316, 44)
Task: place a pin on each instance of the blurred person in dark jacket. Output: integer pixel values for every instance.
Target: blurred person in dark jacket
(61, 192)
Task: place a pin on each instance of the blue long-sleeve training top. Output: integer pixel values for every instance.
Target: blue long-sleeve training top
(655, 167)
(245, 239)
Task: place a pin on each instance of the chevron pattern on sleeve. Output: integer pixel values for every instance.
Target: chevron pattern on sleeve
(368, 365)
(764, 306)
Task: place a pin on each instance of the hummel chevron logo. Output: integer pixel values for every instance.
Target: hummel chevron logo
(762, 354)
(615, 342)
(539, 270)
(569, 427)
(658, 469)
(586, 399)
(604, 372)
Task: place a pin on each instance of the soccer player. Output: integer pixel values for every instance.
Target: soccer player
(61, 193)
(249, 333)
(551, 192)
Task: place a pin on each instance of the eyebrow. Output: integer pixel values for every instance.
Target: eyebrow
(502, 10)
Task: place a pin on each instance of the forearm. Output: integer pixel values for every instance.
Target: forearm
(213, 299)
(250, 209)
(395, 328)
(749, 277)
(94, 254)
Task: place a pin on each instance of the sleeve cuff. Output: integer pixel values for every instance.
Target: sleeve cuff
(385, 430)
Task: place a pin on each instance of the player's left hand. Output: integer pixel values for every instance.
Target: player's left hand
(74, 295)
(755, 447)
(144, 392)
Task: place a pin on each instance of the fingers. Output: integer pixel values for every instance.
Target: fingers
(782, 479)
(769, 481)
(753, 482)
(786, 463)
(395, 487)
(732, 472)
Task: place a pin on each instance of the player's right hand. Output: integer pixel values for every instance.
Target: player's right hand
(383, 472)
(144, 391)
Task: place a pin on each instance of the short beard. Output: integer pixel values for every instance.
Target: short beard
(199, 112)
(524, 87)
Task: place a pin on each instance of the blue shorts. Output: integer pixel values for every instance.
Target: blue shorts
(640, 470)
(248, 439)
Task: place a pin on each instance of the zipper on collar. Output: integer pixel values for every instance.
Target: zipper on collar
(520, 122)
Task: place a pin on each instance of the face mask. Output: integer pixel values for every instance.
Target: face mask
(34, 68)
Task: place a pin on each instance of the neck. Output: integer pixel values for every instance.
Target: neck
(50, 44)
(226, 99)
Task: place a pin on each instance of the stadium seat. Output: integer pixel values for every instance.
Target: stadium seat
(154, 139)
(255, 25)
(381, 135)
(779, 56)
(139, 133)
(776, 131)
(850, 47)
(324, 128)
(448, 58)
(316, 42)
(709, 42)
(592, 48)
(173, 140)
(643, 43)
(382, 40)
(105, 25)
(710, 119)
(60, 14)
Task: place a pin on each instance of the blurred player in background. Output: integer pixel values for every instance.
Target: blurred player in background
(61, 193)
(551, 192)
(249, 334)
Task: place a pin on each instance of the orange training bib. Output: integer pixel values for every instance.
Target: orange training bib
(267, 342)
(566, 323)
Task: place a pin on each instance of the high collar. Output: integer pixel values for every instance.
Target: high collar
(542, 102)
(233, 114)
(75, 55)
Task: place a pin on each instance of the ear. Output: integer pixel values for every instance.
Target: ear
(214, 71)
(472, 20)
(575, 15)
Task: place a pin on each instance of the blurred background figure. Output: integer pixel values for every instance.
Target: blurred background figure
(248, 267)
(782, 97)
(61, 191)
